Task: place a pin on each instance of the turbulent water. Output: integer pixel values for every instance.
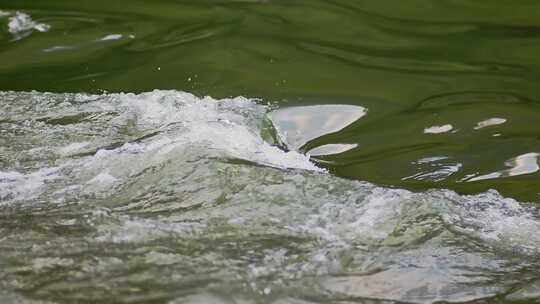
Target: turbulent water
(388, 152)
(164, 196)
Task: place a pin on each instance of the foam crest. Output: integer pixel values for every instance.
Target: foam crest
(232, 126)
(121, 135)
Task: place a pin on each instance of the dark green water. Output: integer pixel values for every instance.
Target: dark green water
(97, 192)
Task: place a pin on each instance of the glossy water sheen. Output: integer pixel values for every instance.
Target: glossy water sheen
(168, 197)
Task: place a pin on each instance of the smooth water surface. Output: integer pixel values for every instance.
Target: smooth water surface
(384, 152)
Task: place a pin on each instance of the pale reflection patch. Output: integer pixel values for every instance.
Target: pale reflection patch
(331, 149)
(438, 129)
(520, 165)
(58, 48)
(490, 122)
(299, 125)
(437, 168)
(112, 37)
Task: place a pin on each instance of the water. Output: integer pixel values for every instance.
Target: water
(165, 196)
(384, 152)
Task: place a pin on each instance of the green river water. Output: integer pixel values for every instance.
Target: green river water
(269, 151)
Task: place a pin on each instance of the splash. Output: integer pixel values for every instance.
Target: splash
(21, 25)
(122, 189)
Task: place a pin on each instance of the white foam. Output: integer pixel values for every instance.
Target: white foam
(501, 221)
(21, 22)
(230, 126)
(15, 186)
(100, 183)
(73, 148)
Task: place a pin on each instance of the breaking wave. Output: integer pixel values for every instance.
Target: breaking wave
(202, 194)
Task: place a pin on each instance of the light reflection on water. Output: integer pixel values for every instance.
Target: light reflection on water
(520, 165)
(435, 168)
(299, 125)
(438, 129)
(331, 149)
(490, 122)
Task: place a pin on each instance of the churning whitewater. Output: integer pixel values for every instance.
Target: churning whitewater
(171, 197)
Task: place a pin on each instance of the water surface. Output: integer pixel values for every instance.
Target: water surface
(413, 66)
(384, 151)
